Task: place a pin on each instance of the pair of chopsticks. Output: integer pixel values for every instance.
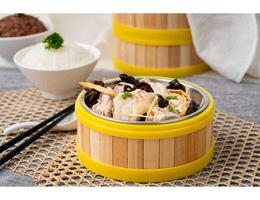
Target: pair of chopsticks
(39, 130)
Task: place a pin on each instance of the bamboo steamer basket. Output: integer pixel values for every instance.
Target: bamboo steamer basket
(155, 45)
(146, 152)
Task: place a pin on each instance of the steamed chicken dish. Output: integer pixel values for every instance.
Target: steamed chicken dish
(133, 99)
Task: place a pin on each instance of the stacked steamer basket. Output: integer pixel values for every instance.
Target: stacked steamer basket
(146, 152)
(155, 44)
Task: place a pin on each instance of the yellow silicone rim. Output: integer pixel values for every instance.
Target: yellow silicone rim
(146, 131)
(144, 175)
(175, 72)
(154, 37)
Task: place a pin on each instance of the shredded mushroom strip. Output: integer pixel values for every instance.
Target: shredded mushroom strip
(99, 88)
(153, 104)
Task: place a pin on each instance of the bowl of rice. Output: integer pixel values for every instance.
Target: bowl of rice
(56, 67)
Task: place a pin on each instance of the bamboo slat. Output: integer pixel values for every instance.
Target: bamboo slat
(105, 148)
(84, 138)
(120, 152)
(196, 145)
(166, 152)
(135, 153)
(151, 51)
(95, 145)
(151, 154)
(174, 51)
(130, 21)
(162, 52)
(208, 137)
(140, 49)
(180, 150)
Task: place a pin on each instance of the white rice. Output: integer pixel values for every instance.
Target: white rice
(68, 56)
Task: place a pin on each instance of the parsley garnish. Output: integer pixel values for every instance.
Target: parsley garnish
(171, 97)
(53, 41)
(126, 94)
(170, 108)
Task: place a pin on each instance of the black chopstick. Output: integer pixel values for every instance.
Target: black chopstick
(43, 129)
(23, 135)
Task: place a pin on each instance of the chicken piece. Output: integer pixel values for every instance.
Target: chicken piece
(178, 103)
(137, 104)
(161, 114)
(104, 105)
(157, 87)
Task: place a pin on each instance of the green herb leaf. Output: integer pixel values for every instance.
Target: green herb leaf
(53, 41)
(171, 97)
(170, 108)
(126, 94)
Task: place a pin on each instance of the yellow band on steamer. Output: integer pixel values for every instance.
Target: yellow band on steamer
(145, 175)
(154, 37)
(146, 131)
(175, 72)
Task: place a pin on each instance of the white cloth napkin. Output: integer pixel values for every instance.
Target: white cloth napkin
(228, 43)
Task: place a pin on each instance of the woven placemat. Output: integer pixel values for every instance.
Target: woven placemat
(51, 160)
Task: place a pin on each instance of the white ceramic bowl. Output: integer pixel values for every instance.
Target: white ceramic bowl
(10, 45)
(59, 83)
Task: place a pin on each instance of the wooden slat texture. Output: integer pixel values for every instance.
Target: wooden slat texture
(135, 153)
(185, 55)
(174, 56)
(95, 145)
(173, 21)
(130, 21)
(84, 138)
(140, 49)
(166, 152)
(183, 21)
(196, 145)
(151, 51)
(180, 150)
(174, 51)
(123, 51)
(151, 154)
(162, 52)
(119, 154)
(105, 148)
(208, 136)
(194, 57)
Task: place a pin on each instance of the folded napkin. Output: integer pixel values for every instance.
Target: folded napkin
(228, 43)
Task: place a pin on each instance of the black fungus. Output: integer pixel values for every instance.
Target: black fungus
(128, 79)
(144, 86)
(193, 107)
(162, 102)
(101, 83)
(91, 96)
(176, 85)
